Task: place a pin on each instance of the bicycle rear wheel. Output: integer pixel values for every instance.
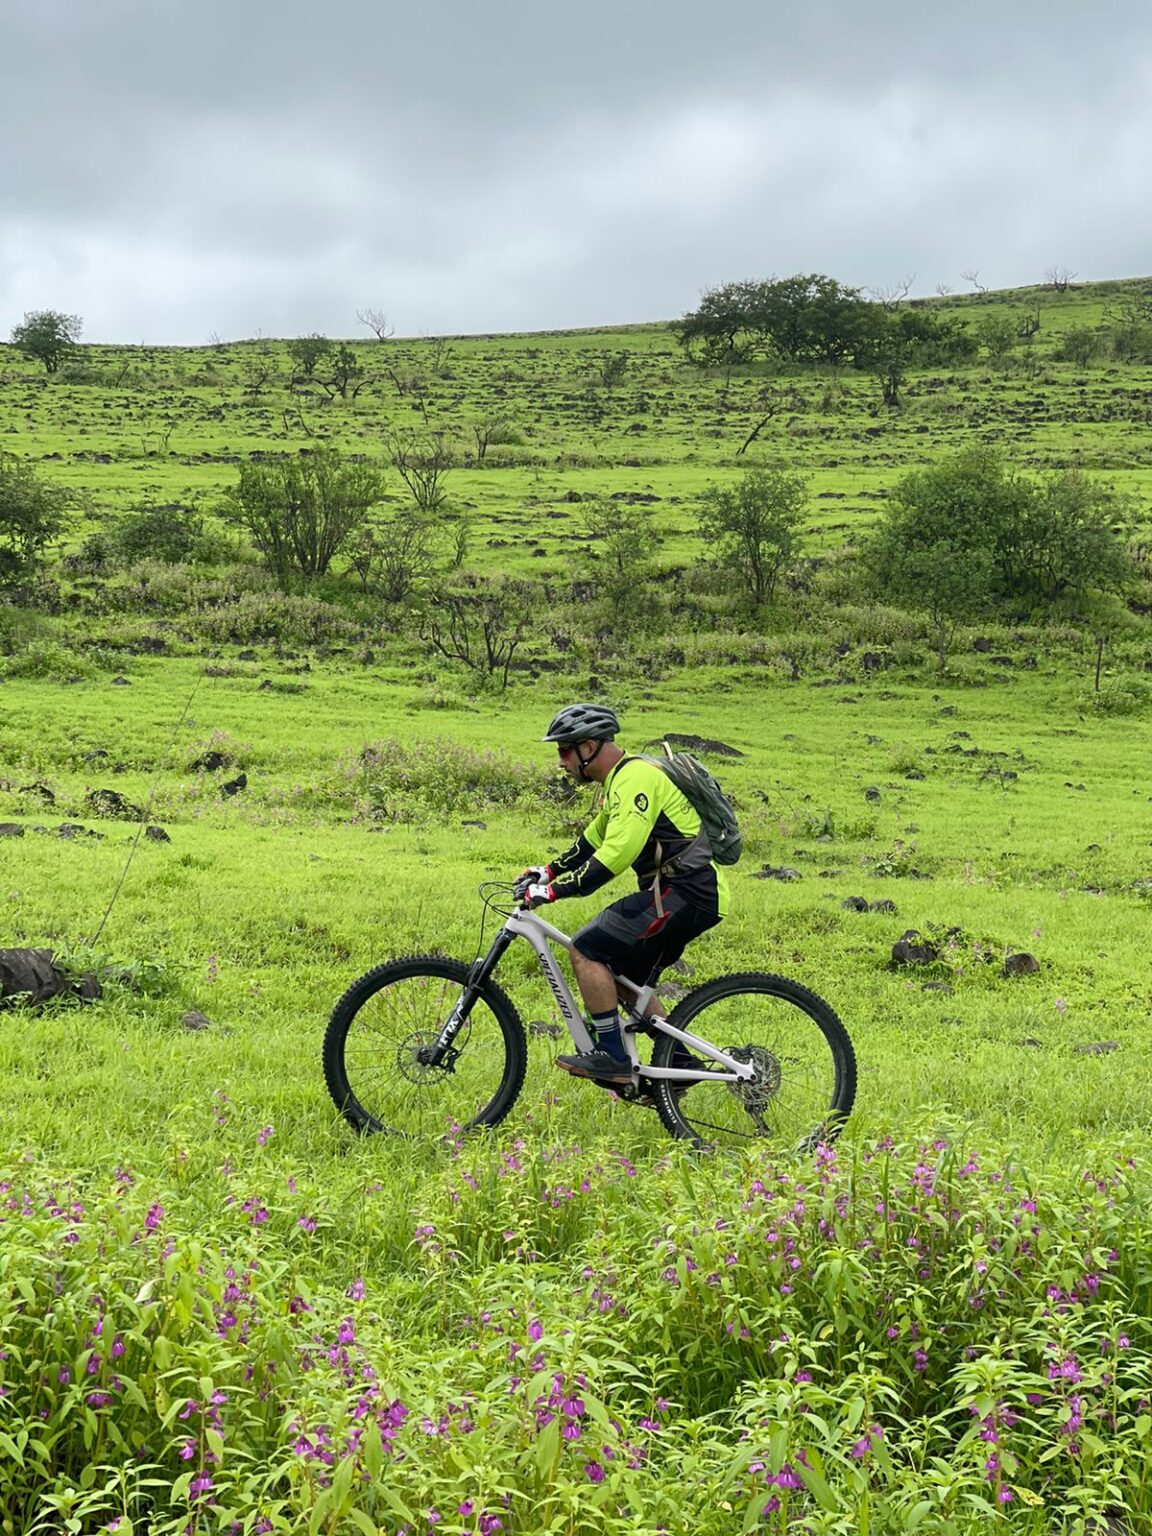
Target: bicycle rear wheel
(377, 1029)
(805, 1082)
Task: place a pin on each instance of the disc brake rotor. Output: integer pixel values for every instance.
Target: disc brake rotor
(758, 1092)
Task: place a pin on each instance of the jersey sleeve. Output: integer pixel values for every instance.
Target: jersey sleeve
(573, 857)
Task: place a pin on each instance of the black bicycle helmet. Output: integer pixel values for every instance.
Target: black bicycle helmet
(583, 722)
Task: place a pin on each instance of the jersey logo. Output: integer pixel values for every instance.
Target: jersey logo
(641, 802)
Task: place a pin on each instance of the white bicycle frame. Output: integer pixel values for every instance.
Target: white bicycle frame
(541, 934)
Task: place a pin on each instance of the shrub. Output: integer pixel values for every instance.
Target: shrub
(754, 527)
(1119, 696)
(31, 517)
(168, 533)
(387, 781)
(278, 616)
(300, 513)
(48, 661)
(1080, 346)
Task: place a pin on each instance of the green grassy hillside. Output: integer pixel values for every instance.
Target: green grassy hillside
(572, 1325)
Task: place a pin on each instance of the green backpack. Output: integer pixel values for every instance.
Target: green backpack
(717, 818)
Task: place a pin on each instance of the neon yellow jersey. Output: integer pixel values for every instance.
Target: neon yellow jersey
(646, 822)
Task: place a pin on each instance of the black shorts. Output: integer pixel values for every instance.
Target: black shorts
(632, 939)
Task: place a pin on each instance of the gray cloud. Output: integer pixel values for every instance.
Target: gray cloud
(237, 167)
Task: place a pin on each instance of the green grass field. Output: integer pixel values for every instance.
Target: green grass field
(220, 1311)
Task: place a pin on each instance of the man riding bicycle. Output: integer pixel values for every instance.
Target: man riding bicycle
(645, 822)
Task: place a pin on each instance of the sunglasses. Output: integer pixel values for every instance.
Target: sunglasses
(564, 747)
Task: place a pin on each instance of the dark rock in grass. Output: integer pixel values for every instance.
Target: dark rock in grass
(95, 755)
(1098, 1048)
(210, 762)
(11, 829)
(912, 949)
(246, 656)
(112, 805)
(40, 790)
(854, 904)
(234, 786)
(549, 1031)
(982, 645)
(883, 905)
(672, 990)
(156, 835)
(943, 987)
(872, 793)
(772, 872)
(1022, 964)
(121, 682)
(1031, 1040)
(194, 1021)
(1068, 785)
(481, 826)
(31, 976)
(70, 830)
(702, 744)
(682, 968)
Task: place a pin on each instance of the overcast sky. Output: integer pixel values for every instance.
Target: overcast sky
(176, 168)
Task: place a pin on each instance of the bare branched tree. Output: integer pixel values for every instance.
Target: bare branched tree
(769, 404)
(422, 460)
(1028, 323)
(493, 432)
(1059, 279)
(376, 321)
(972, 275)
(481, 623)
(894, 294)
(259, 370)
(439, 355)
(395, 556)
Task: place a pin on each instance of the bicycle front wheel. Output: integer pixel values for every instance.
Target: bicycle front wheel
(379, 1027)
(805, 1068)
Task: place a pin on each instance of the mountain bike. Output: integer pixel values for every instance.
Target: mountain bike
(428, 1046)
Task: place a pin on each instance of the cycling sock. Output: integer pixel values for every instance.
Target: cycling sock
(606, 1027)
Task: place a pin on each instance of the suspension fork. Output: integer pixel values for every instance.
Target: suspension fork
(440, 1053)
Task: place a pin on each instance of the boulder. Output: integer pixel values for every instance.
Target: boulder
(912, 949)
(31, 975)
(1022, 964)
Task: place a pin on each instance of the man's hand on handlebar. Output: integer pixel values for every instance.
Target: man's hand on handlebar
(535, 874)
(534, 894)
